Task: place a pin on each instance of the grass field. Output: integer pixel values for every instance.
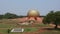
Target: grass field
(6, 24)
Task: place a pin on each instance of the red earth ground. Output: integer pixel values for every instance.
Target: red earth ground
(39, 19)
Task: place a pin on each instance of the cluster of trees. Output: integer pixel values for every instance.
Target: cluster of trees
(9, 16)
(52, 17)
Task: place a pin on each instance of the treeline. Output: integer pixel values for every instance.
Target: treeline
(9, 16)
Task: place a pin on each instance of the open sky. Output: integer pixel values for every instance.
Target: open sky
(21, 7)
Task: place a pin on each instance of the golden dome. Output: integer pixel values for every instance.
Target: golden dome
(33, 13)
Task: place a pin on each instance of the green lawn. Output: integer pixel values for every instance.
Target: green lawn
(31, 29)
(6, 25)
(25, 30)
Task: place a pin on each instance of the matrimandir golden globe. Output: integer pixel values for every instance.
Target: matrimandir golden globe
(33, 13)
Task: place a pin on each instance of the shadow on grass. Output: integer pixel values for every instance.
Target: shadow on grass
(51, 29)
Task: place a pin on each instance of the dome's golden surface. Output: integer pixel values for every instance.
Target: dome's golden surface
(33, 13)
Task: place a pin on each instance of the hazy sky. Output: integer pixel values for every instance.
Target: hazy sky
(21, 7)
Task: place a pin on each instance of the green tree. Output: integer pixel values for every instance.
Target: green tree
(52, 17)
(1, 16)
(9, 16)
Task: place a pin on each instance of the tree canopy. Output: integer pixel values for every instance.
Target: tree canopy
(1, 16)
(9, 16)
(52, 17)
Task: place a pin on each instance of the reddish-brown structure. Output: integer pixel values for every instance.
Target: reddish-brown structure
(32, 15)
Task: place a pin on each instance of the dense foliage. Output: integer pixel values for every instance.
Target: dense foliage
(9, 16)
(52, 17)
